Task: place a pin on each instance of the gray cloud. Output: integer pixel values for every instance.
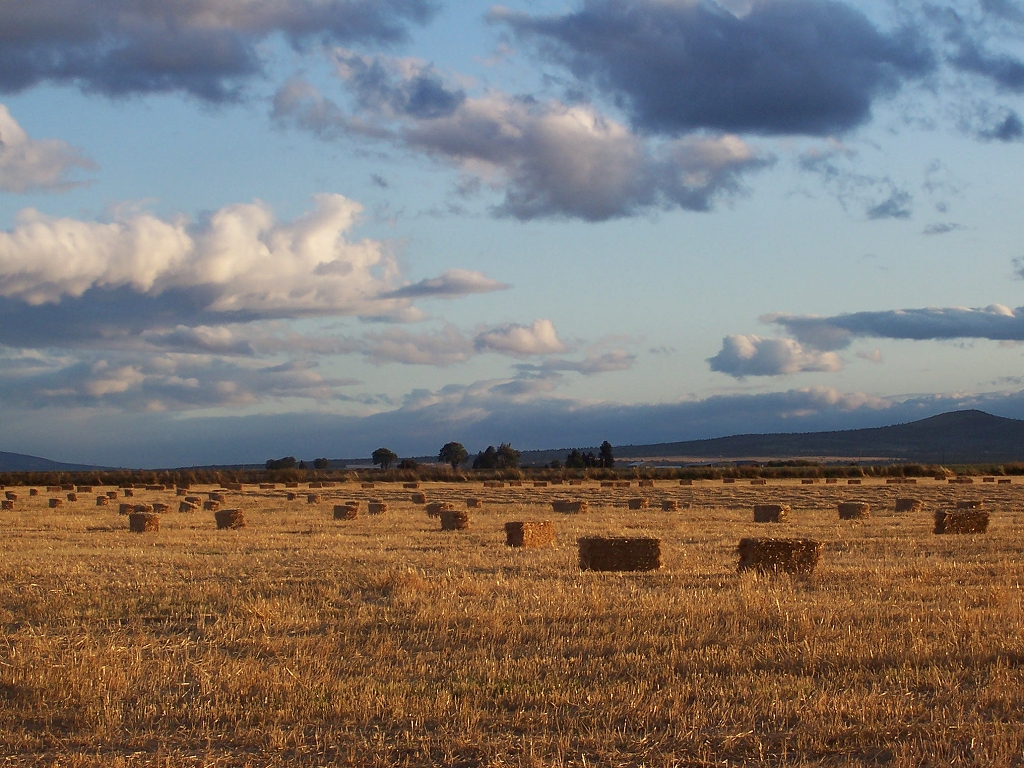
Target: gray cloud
(879, 196)
(743, 356)
(207, 48)
(592, 364)
(994, 322)
(30, 165)
(451, 284)
(783, 67)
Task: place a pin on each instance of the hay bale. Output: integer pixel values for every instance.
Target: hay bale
(638, 503)
(268, 486)
(155, 488)
(808, 481)
(128, 492)
(607, 484)
(965, 481)
(472, 503)
(556, 482)
(233, 486)
(988, 479)
(909, 505)
(910, 481)
(728, 480)
(102, 501)
(211, 506)
(410, 485)
(217, 496)
(143, 522)
(291, 485)
(566, 507)
(853, 481)
(54, 489)
(10, 496)
(291, 496)
(366, 485)
(316, 485)
(435, 508)
(619, 553)
(33, 491)
(686, 482)
(72, 497)
(539, 484)
(67, 487)
(180, 492)
(194, 500)
(144, 508)
(759, 481)
(83, 489)
(771, 513)
(185, 506)
(377, 507)
(493, 484)
(329, 484)
(831, 480)
(669, 505)
(54, 503)
(229, 518)
(528, 534)
(854, 510)
(419, 498)
(622, 483)
(796, 556)
(970, 504)
(314, 498)
(183, 486)
(1004, 481)
(6, 504)
(160, 507)
(515, 483)
(940, 478)
(454, 520)
(961, 521)
(646, 484)
(348, 511)
(125, 509)
(575, 482)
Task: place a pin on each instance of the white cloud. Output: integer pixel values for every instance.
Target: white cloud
(743, 356)
(28, 165)
(538, 338)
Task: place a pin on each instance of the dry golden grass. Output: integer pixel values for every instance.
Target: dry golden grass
(301, 640)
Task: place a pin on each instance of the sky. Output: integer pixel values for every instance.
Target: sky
(232, 230)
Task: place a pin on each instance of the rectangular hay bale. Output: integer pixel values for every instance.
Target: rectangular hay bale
(771, 513)
(567, 507)
(961, 521)
(527, 534)
(796, 556)
(638, 503)
(854, 510)
(909, 505)
(619, 553)
(454, 520)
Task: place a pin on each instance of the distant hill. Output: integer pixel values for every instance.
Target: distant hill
(960, 437)
(19, 462)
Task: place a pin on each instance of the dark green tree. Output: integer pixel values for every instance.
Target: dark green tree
(320, 463)
(486, 459)
(384, 457)
(408, 464)
(508, 457)
(453, 453)
(288, 462)
(574, 460)
(605, 456)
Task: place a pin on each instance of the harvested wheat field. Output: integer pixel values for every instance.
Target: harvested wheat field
(305, 640)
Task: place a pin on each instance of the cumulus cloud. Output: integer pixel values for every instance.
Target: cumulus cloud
(551, 159)
(995, 322)
(782, 67)
(538, 338)
(743, 356)
(30, 165)
(207, 48)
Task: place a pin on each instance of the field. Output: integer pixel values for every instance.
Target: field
(301, 640)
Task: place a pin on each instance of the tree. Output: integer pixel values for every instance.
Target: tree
(508, 457)
(288, 462)
(384, 457)
(320, 463)
(453, 453)
(605, 455)
(486, 459)
(408, 464)
(574, 460)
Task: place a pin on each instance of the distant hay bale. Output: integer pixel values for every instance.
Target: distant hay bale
(472, 503)
(1003, 481)
(366, 485)
(893, 480)
(102, 501)
(970, 504)
(160, 507)
(125, 509)
(529, 534)
(435, 508)
(155, 488)
(622, 483)
(988, 479)
(346, 511)
(961, 521)
(183, 486)
(854, 510)
(128, 492)
(965, 480)
(10, 496)
(909, 505)
(185, 506)
(418, 498)
(795, 556)
(7, 505)
(831, 480)
(771, 513)
(291, 496)
(619, 553)
(646, 484)
(54, 489)
(377, 507)
(759, 481)
(669, 505)
(540, 484)
(410, 485)
(728, 480)
(910, 481)
(329, 484)
(808, 481)
(575, 482)
(567, 507)
(143, 522)
(686, 482)
(454, 520)
(180, 492)
(291, 485)
(853, 481)
(72, 497)
(146, 508)
(67, 487)
(234, 486)
(638, 503)
(54, 503)
(268, 486)
(493, 484)
(607, 484)
(940, 478)
(217, 496)
(194, 499)
(515, 483)
(314, 498)
(316, 485)
(556, 482)
(229, 518)
(83, 489)
(33, 491)
(211, 506)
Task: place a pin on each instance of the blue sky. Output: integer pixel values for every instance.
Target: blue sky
(237, 229)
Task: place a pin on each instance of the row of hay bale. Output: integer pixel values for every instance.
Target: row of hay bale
(967, 517)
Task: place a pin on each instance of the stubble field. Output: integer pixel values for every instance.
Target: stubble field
(301, 640)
